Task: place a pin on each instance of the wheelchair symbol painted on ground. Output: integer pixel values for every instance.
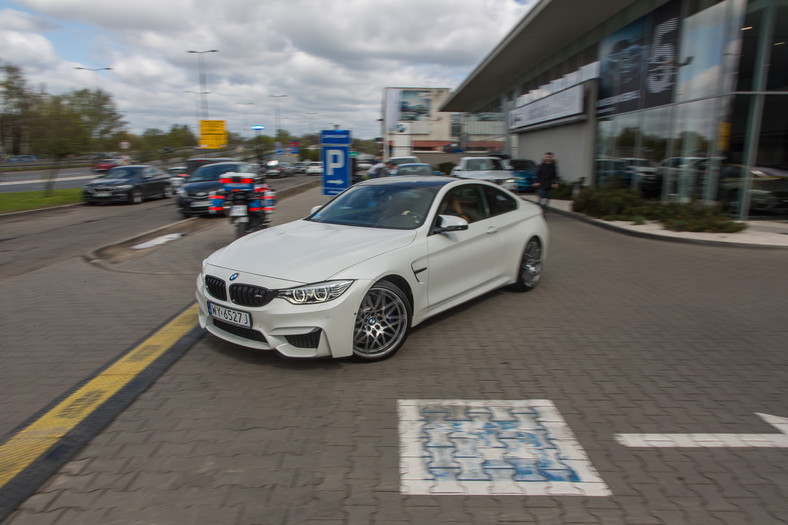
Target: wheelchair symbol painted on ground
(471, 447)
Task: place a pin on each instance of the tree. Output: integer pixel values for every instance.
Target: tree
(180, 137)
(16, 101)
(99, 114)
(59, 131)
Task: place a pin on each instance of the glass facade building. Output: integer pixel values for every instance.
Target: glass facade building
(685, 100)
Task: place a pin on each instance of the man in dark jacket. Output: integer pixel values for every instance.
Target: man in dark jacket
(546, 179)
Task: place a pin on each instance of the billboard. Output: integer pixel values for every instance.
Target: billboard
(412, 106)
(638, 63)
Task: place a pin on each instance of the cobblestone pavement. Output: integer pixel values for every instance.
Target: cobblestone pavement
(624, 335)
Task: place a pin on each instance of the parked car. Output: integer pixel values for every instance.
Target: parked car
(413, 169)
(194, 197)
(22, 158)
(490, 169)
(314, 168)
(524, 171)
(132, 184)
(105, 165)
(404, 160)
(195, 163)
(613, 172)
(178, 176)
(647, 178)
(299, 168)
(354, 276)
(276, 168)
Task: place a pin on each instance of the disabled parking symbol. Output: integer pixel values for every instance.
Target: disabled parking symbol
(475, 447)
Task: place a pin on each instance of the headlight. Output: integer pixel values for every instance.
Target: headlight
(181, 192)
(315, 293)
(124, 187)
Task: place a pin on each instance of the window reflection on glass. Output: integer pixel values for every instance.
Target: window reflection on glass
(701, 51)
(654, 149)
(694, 127)
(778, 61)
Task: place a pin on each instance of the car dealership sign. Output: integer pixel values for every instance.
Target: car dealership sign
(559, 105)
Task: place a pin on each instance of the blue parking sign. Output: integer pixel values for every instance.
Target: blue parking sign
(335, 154)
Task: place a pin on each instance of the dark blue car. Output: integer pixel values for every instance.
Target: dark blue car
(524, 170)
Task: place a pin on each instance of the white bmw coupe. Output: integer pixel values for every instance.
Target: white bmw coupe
(353, 277)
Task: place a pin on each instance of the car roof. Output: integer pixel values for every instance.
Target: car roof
(412, 180)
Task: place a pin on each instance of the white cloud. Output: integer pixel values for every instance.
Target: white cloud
(330, 57)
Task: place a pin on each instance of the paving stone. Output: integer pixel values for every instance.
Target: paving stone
(624, 335)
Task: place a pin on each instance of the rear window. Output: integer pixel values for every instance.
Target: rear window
(193, 164)
(211, 172)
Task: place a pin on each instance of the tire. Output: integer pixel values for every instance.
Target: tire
(240, 229)
(136, 196)
(168, 193)
(529, 272)
(382, 322)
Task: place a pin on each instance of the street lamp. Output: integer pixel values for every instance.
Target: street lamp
(197, 130)
(95, 70)
(246, 111)
(278, 122)
(203, 83)
(258, 129)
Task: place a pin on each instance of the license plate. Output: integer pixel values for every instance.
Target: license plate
(102, 194)
(199, 204)
(229, 315)
(238, 211)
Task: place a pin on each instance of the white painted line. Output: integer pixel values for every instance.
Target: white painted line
(158, 241)
(712, 440)
(483, 447)
(42, 181)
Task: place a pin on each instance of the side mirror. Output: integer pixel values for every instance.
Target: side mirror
(450, 223)
(314, 209)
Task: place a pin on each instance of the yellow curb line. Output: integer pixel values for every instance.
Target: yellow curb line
(30, 443)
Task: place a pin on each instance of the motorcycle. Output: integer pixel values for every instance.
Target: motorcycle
(248, 204)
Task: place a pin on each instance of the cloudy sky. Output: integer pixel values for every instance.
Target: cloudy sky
(332, 58)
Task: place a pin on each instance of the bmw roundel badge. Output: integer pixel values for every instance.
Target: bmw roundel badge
(234, 277)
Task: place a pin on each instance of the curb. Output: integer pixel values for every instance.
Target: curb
(655, 236)
(94, 258)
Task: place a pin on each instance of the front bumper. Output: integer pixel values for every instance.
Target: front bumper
(106, 195)
(307, 331)
(192, 206)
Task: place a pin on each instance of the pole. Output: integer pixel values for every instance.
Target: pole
(203, 80)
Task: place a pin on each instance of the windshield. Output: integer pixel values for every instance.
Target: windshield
(484, 164)
(213, 172)
(414, 170)
(393, 206)
(120, 173)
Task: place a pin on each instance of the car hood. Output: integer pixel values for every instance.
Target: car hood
(307, 252)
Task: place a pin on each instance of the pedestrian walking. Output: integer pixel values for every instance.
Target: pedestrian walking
(546, 179)
(377, 170)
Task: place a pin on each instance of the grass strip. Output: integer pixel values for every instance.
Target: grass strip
(33, 200)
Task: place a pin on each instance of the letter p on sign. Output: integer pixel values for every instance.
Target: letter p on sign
(335, 159)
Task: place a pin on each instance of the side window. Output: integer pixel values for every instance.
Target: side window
(466, 202)
(498, 201)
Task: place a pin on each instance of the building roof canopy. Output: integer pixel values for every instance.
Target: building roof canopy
(548, 27)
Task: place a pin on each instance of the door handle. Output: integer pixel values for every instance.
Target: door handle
(492, 229)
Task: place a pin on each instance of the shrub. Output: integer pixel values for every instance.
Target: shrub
(611, 203)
